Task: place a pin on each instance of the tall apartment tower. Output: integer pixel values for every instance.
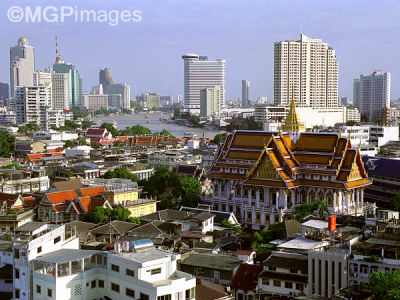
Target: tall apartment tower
(308, 68)
(201, 73)
(374, 94)
(22, 65)
(356, 93)
(245, 93)
(210, 102)
(61, 91)
(105, 78)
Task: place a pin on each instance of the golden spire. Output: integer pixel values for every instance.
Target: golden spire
(292, 121)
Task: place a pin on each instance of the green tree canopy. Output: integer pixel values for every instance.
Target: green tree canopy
(69, 144)
(79, 113)
(119, 144)
(136, 130)
(6, 143)
(29, 128)
(219, 138)
(166, 133)
(110, 128)
(104, 214)
(121, 173)
(395, 202)
(385, 285)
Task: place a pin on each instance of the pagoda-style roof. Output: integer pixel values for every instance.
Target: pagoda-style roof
(292, 121)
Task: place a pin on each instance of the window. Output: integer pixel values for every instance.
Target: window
(115, 268)
(49, 293)
(293, 271)
(288, 285)
(39, 249)
(277, 283)
(38, 289)
(130, 293)
(272, 268)
(17, 293)
(16, 273)
(101, 284)
(87, 284)
(16, 254)
(164, 297)
(265, 281)
(155, 271)
(57, 239)
(130, 272)
(189, 293)
(93, 284)
(115, 287)
(143, 297)
(299, 286)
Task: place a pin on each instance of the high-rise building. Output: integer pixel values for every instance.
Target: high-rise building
(374, 94)
(105, 78)
(31, 104)
(4, 93)
(245, 93)
(95, 101)
(150, 100)
(343, 101)
(356, 93)
(210, 102)
(61, 93)
(75, 82)
(122, 89)
(44, 78)
(22, 65)
(308, 69)
(200, 73)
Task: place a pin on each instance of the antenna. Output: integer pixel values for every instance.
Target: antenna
(57, 53)
(301, 29)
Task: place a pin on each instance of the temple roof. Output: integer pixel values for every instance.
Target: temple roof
(292, 121)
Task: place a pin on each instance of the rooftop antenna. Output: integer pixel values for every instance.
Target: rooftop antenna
(57, 53)
(301, 29)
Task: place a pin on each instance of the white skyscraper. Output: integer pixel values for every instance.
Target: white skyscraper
(200, 73)
(309, 68)
(44, 78)
(61, 91)
(374, 94)
(210, 101)
(31, 104)
(22, 65)
(245, 93)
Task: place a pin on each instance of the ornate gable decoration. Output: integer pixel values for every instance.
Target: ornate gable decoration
(355, 171)
(266, 169)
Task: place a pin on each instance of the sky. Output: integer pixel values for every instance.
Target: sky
(147, 54)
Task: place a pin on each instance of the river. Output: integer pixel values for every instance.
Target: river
(154, 124)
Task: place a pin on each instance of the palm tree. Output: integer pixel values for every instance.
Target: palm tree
(322, 208)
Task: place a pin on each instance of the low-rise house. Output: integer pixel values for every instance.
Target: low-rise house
(78, 151)
(111, 231)
(42, 159)
(24, 180)
(212, 267)
(245, 281)
(219, 215)
(137, 270)
(100, 135)
(284, 274)
(190, 171)
(206, 290)
(11, 220)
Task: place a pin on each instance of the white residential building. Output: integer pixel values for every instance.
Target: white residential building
(135, 270)
(373, 135)
(374, 94)
(353, 114)
(308, 69)
(31, 104)
(200, 73)
(95, 101)
(54, 118)
(61, 93)
(266, 113)
(210, 101)
(22, 65)
(31, 240)
(44, 78)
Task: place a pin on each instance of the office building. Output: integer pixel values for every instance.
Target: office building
(22, 65)
(343, 101)
(374, 94)
(245, 93)
(105, 78)
(356, 93)
(95, 101)
(353, 114)
(31, 104)
(200, 73)
(210, 102)
(61, 93)
(74, 82)
(4, 93)
(115, 101)
(122, 89)
(150, 100)
(44, 78)
(308, 69)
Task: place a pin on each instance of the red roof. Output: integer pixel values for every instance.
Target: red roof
(85, 203)
(37, 157)
(246, 277)
(96, 131)
(122, 138)
(244, 252)
(61, 197)
(93, 191)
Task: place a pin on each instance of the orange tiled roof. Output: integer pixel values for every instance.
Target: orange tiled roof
(93, 191)
(316, 142)
(61, 197)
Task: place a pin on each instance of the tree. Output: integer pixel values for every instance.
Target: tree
(395, 201)
(121, 173)
(219, 138)
(82, 142)
(95, 145)
(385, 285)
(119, 144)
(29, 128)
(322, 208)
(87, 124)
(351, 123)
(104, 214)
(166, 133)
(79, 113)
(191, 191)
(303, 210)
(110, 128)
(69, 144)
(6, 143)
(136, 130)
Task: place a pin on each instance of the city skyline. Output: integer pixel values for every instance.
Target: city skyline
(155, 45)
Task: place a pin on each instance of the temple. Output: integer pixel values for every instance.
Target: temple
(262, 176)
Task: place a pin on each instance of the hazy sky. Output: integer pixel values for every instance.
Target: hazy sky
(147, 54)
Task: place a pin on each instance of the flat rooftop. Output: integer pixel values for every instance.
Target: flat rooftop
(145, 256)
(66, 255)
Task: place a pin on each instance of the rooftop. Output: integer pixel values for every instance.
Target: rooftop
(66, 255)
(213, 261)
